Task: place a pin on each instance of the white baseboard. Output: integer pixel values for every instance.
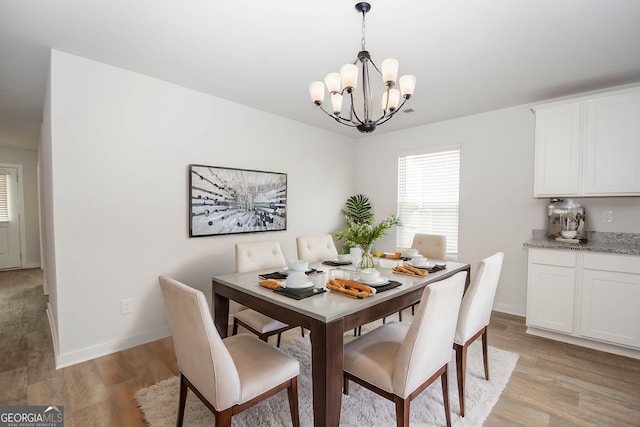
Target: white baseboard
(510, 309)
(88, 353)
(31, 265)
(583, 342)
(54, 332)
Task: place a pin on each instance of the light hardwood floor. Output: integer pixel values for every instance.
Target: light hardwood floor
(554, 384)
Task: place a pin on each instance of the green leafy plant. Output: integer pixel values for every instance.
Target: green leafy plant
(364, 234)
(358, 209)
(361, 230)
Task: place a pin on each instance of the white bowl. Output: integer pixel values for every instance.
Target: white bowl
(411, 252)
(296, 279)
(419, 261)
(297, 265)
(344, 257)
(369, 274)
(569, 234)
(387, 263)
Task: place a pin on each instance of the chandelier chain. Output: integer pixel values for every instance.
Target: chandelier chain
(363, 31)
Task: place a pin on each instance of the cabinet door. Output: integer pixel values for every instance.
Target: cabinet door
(613, 145)
(550, 297)
(610, 303)
(558, 156)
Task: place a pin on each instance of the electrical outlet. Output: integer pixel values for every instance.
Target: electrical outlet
(608, 216)
(126, 306)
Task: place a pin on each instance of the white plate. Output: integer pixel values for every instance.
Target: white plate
(426, 265)
(293, 288)
(378, 282)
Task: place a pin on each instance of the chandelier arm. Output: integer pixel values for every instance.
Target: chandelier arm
(338, 119)
(354, 113)
(375, 66)
(387, 115)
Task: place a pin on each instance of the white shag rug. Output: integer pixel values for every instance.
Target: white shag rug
(159, 403)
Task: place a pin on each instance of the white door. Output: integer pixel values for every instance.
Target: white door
(9, 219)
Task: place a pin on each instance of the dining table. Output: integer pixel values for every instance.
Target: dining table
(327, 314)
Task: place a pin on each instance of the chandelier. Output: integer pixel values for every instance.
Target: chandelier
(344, 84)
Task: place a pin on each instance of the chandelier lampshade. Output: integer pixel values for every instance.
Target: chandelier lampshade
(343, 86)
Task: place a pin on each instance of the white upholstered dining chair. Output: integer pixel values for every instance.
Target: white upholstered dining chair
(251, 256)
(228, 375)
(474, 317)
(398, 360)
(316, 248)
(430, 246)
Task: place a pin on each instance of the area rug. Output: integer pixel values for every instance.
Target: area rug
(360, 408)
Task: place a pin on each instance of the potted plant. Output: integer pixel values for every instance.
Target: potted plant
(361, 230)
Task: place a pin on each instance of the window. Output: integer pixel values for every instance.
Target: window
(428, 187)
(4, 197)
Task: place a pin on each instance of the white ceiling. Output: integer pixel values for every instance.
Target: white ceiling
(469, 56)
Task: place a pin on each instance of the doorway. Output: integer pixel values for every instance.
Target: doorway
(11, 228)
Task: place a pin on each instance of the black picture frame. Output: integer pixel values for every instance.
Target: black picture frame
(226, 200)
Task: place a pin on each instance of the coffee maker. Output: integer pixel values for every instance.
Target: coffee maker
(566, 215)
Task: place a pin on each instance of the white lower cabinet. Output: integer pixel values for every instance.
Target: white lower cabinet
(589, 299)
(610, 299)
(551, 289)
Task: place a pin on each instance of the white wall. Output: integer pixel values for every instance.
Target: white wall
(121, 144)
(115, 158)
(497, 208)
(29, 161)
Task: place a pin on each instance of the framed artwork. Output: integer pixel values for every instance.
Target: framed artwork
(232, 201)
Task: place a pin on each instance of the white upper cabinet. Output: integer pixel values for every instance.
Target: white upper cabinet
(588, 146)
(557, 151)
(613, 145)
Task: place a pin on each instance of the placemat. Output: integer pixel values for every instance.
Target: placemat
(392, 284)
(336, 263)
(434, 268)
(299, 294)
(281, 276)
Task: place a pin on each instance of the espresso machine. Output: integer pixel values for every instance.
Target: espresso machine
(568, 216)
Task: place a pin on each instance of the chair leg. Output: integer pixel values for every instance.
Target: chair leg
(461, 372)
(402, 411)
(235, 327)
(279, 337)
(182, 401)
(302, 330)
(445, 396)
(400, 315)
(413, 310)
(485, 353)
(292, 391)
(345, 385)
(223, 419)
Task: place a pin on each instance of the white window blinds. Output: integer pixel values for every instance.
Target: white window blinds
(428, 187)
(4, 197)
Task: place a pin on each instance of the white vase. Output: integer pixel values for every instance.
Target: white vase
(356, 255)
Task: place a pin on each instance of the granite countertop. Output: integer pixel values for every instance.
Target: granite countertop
(612, 243)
